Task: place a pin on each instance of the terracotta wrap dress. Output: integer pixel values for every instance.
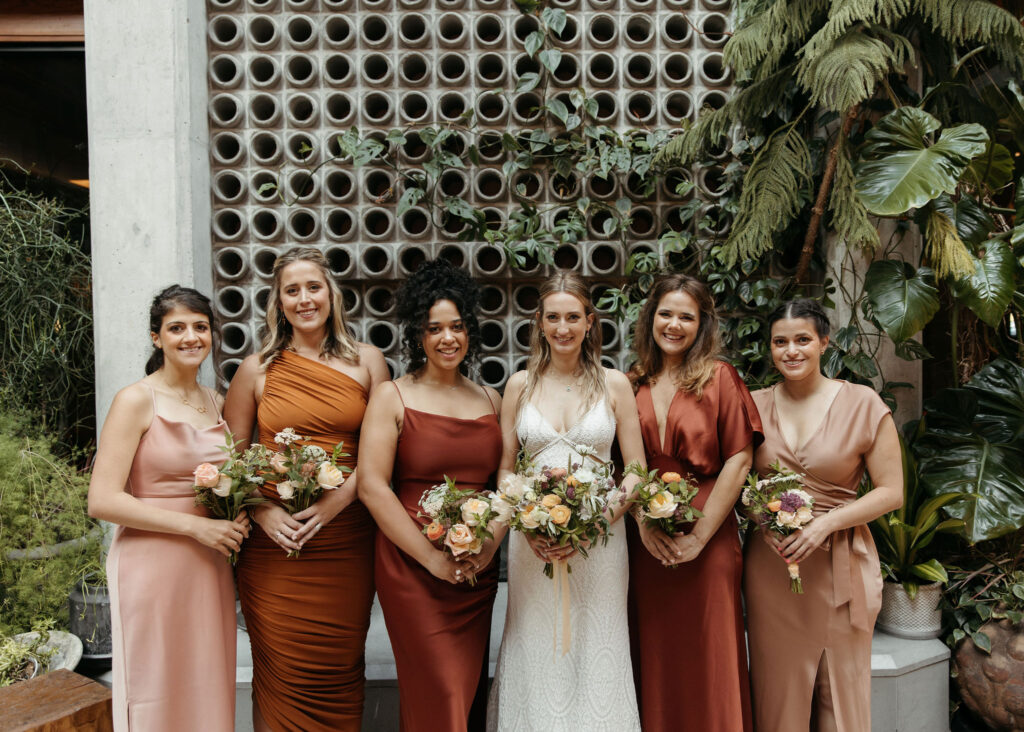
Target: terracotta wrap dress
(439, 632)
(810, 654)
(172, 599)
(686, 624)
(307, 617)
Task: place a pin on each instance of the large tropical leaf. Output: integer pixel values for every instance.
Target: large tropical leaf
(973, 442)
(902, 299)
(992, 170)
(899, 169)
(989, 290)
(973, 223)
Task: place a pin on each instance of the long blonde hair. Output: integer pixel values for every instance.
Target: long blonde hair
(277, 334)
(593, 385)
(698, 365)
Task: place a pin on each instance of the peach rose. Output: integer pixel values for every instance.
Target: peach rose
(661, 505)
(461, 540)
(286, 490)
(560, 515)
(307, 469)
(671, 477)
(277, 463)
(533, 518)
(550, 500)
(328, 476)
(223, 488)
(558, 473)
(434, 531)
(207, 476)
(474, 510)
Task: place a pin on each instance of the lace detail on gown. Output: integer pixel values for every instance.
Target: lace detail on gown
(591, 687)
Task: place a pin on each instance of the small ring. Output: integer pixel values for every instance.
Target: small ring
(458, 571)
(279, 534)
(318, 526)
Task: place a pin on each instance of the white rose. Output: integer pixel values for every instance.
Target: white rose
(223, 487)
(661, 505)
(286, 490)
(514, 486)
(787, 519)
(804, 514)
(501, 508)
(474, 510)
(328, 476)
(534, 518)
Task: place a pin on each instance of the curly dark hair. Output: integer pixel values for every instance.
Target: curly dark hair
(436, 280)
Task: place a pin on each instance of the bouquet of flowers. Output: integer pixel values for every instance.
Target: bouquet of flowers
(459, 517)
(664, 501)
(779, 504)
(304, 472)
(564, 505)
(234, 486)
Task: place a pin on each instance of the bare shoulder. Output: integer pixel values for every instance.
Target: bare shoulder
(371, 354)
(616, 381)
(494, 396)
(132, 407)
(385, 395)
(515, 383)
(250, 368)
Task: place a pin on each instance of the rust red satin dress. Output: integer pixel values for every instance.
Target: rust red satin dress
(308, 617)
(686, 624)
(439, 632)
(810, 654)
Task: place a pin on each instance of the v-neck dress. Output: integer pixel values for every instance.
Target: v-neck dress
(440, 632)
(308, 617)
(693, 678)
(810, 654)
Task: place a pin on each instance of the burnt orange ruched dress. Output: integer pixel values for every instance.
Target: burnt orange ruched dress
(686, 624)
(810, 654)
(172, 601)
(307, 617)
(439, 632)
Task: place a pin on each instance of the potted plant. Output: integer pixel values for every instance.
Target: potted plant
(914, 575)
(22, 657)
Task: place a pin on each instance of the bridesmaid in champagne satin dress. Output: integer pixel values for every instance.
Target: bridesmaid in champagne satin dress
(697, 420)
(810, 654)
(172, 600)
(307, 616)
(432, 423)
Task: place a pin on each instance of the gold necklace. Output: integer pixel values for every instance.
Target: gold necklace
(184, 399)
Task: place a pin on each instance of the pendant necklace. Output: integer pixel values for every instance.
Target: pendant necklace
(184, 399)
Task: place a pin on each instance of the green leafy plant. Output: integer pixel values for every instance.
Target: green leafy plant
(19, 658)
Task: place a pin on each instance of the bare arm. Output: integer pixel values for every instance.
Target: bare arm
(242, 401)
(631, 443)
(128, 419)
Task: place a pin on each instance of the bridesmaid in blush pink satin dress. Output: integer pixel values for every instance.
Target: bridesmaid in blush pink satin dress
(172, 595)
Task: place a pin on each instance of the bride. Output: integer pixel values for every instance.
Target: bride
(564, 400)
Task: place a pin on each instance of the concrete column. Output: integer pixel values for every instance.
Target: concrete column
(148, 170)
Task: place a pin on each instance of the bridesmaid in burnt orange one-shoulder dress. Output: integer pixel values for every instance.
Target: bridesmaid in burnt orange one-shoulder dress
(307, 616)
(697, 419)
(432, 423)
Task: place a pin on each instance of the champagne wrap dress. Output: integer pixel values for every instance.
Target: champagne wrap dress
(308, 617)
(688, 646)
(439, 632)
(810, 654)
(172, 599)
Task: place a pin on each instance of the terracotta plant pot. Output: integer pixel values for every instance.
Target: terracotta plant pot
(992, 685)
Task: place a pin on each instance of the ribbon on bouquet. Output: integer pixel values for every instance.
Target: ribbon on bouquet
(560, 576)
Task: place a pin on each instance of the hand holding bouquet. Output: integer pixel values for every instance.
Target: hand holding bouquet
(664, 501)
(304, 472)
(779, 504)
(230, 489)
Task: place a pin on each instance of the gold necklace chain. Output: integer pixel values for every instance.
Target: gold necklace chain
(184, 398)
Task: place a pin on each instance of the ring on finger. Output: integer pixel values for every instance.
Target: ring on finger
(318, 525)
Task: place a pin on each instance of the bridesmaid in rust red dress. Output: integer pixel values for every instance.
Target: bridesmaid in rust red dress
(433, 422)
(697, 419)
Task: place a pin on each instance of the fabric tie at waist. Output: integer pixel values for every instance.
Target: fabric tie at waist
(849, 554)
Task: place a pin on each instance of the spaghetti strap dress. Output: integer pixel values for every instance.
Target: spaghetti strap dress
(695, 677)
(439, 632)
(308, 617)
(172, 599)
(810, 654)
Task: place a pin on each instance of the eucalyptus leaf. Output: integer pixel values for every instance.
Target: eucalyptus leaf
(990, 289)
(902, 299)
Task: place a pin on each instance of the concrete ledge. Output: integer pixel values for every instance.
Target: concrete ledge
(909, 685)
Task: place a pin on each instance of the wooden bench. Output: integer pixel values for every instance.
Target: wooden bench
(55, 702)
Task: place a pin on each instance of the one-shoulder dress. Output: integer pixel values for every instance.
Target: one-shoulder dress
(439, 632)
(686, 623)
(810, 654)
(308, 617)
(172, 600)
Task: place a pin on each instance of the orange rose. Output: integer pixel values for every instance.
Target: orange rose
(434, 531)
(671, 477)
(774, 506)
(571, 481)
(550, 500)
(560, 515)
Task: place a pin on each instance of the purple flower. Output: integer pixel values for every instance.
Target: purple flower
(791, 501)
(570, 493)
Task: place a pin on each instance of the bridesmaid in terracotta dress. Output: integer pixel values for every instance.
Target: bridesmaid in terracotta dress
(697, 419)
(810, 654)
(172, 599)
(431, 423)
(308, 616)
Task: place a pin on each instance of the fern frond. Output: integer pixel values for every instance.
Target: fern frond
(849, 217)
(761, 41)
(944, 247)
(845, 14)
(963, 22)
(771, 195)
(747, 104)
(846, 73)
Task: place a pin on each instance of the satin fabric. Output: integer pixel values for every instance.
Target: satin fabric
(308, 617)
(810, 654)
(688, 646)
(439, 632)
(172, 599)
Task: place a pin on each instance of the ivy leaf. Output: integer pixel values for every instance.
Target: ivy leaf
(989, 290)
(459, 208)
(623, 205)
(558, 109)
(573, 121)
(550, 58)
(609, 225)
(902, 299)
(528, 81)
(410, 198)
(266, 187)
(845, 337)
(554, 18)
(395, 136)
(911, 350)
(533, 43)
(982, 641)
(861, 364)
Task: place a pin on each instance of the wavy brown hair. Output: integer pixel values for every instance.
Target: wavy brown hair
(590, 349)
(277, 334)
(698, 365)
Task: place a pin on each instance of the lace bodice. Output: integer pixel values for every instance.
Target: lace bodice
(547, 446)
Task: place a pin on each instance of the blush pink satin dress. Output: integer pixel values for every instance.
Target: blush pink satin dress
(172, 599)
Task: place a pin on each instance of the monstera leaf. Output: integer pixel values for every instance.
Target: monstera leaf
(899, 169)
(989, 290)
(902, 299)
(973, 223)
(973, 442)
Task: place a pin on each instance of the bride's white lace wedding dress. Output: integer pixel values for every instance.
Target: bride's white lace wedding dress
(590, 687)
